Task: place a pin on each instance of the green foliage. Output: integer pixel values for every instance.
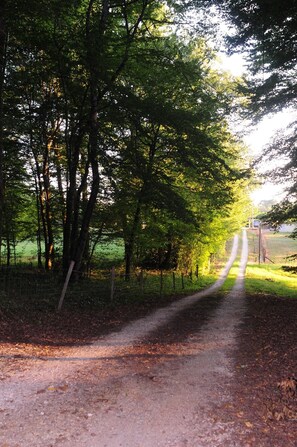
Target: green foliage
(266, 32)
(119, 128)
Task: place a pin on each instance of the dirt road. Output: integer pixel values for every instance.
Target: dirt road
(157, 382)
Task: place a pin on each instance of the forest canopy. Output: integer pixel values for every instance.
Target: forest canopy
(114, 122)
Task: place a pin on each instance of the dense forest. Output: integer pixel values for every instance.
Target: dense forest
(115, 123)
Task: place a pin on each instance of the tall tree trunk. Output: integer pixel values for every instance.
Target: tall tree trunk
(93, 123)
(36, 175)
(130, 242)
(70, 230)
(93, 159)
(42, 207)
(8, 251)
(49, 240)
(96, 25)
(94, 245)
(57, 158)
(3, 46)
(38, 235)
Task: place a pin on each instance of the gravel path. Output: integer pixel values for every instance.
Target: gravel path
(157, 382)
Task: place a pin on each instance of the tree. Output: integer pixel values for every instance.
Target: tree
(112, 30)
(76, 53)
(267, 32)
(17, 199)
(174, 163)
(3, 48)
(108, 140)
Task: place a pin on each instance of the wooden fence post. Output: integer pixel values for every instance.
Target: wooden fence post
(182, 281)
(173, 280)
(112, 283)
(142, 282)
(66, 285)
(161, 282)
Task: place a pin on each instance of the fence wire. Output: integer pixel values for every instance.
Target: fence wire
(40, 288)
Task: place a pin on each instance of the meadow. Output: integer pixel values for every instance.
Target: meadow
(265, 278)
(269, 277)
(106, 253)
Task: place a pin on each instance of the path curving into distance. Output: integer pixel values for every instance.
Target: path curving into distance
(155, 383)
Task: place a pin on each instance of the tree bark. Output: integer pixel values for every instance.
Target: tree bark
(93, 125)
(46, 199)
(130, 242)
(70, 230)
(38, 235)
(93, 159)
(96, 25)
(3, 47)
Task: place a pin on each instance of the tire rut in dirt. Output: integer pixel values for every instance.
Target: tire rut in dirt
(187, 322)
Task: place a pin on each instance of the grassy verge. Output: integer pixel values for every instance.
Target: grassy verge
(269, 277)
(230, 280)
(270, 280)
(28, 289)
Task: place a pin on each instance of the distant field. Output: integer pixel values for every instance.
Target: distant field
(107, 251)
(278, 245)
(25, 253)
(26, 249)
(269, 277)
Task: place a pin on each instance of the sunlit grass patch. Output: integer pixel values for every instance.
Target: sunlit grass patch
(270, 279)
(280, 246)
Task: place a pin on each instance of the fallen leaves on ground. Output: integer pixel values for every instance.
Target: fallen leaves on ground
(263, 390)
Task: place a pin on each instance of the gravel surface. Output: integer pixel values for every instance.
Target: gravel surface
(173, 378)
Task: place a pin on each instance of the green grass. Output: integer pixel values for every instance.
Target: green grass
(279, 247)
(26, 249)
(266, 278)
(106, 252)
(269, 277)
(230, 280)
(109, 251)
